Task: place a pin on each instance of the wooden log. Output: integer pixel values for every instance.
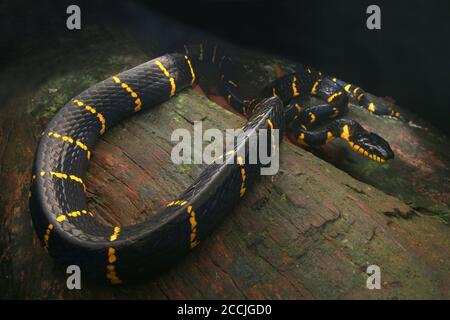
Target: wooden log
(308, 232)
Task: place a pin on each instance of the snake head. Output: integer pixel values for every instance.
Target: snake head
(372, 146)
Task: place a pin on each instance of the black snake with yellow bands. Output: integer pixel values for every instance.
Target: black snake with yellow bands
(116, 254)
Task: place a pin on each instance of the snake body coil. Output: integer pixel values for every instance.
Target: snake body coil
(58, 203)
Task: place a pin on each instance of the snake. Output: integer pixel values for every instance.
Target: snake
(66, 226)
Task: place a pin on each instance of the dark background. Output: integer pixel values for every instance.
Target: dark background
(408, 59)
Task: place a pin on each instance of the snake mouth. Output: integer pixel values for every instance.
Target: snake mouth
(372, 146)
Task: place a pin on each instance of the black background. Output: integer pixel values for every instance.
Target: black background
(408, 59)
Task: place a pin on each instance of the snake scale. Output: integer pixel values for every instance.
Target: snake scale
(118, 254)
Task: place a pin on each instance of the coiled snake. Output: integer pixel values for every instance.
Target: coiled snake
(117, 254)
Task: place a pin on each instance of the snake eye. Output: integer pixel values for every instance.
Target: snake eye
(372, 146)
